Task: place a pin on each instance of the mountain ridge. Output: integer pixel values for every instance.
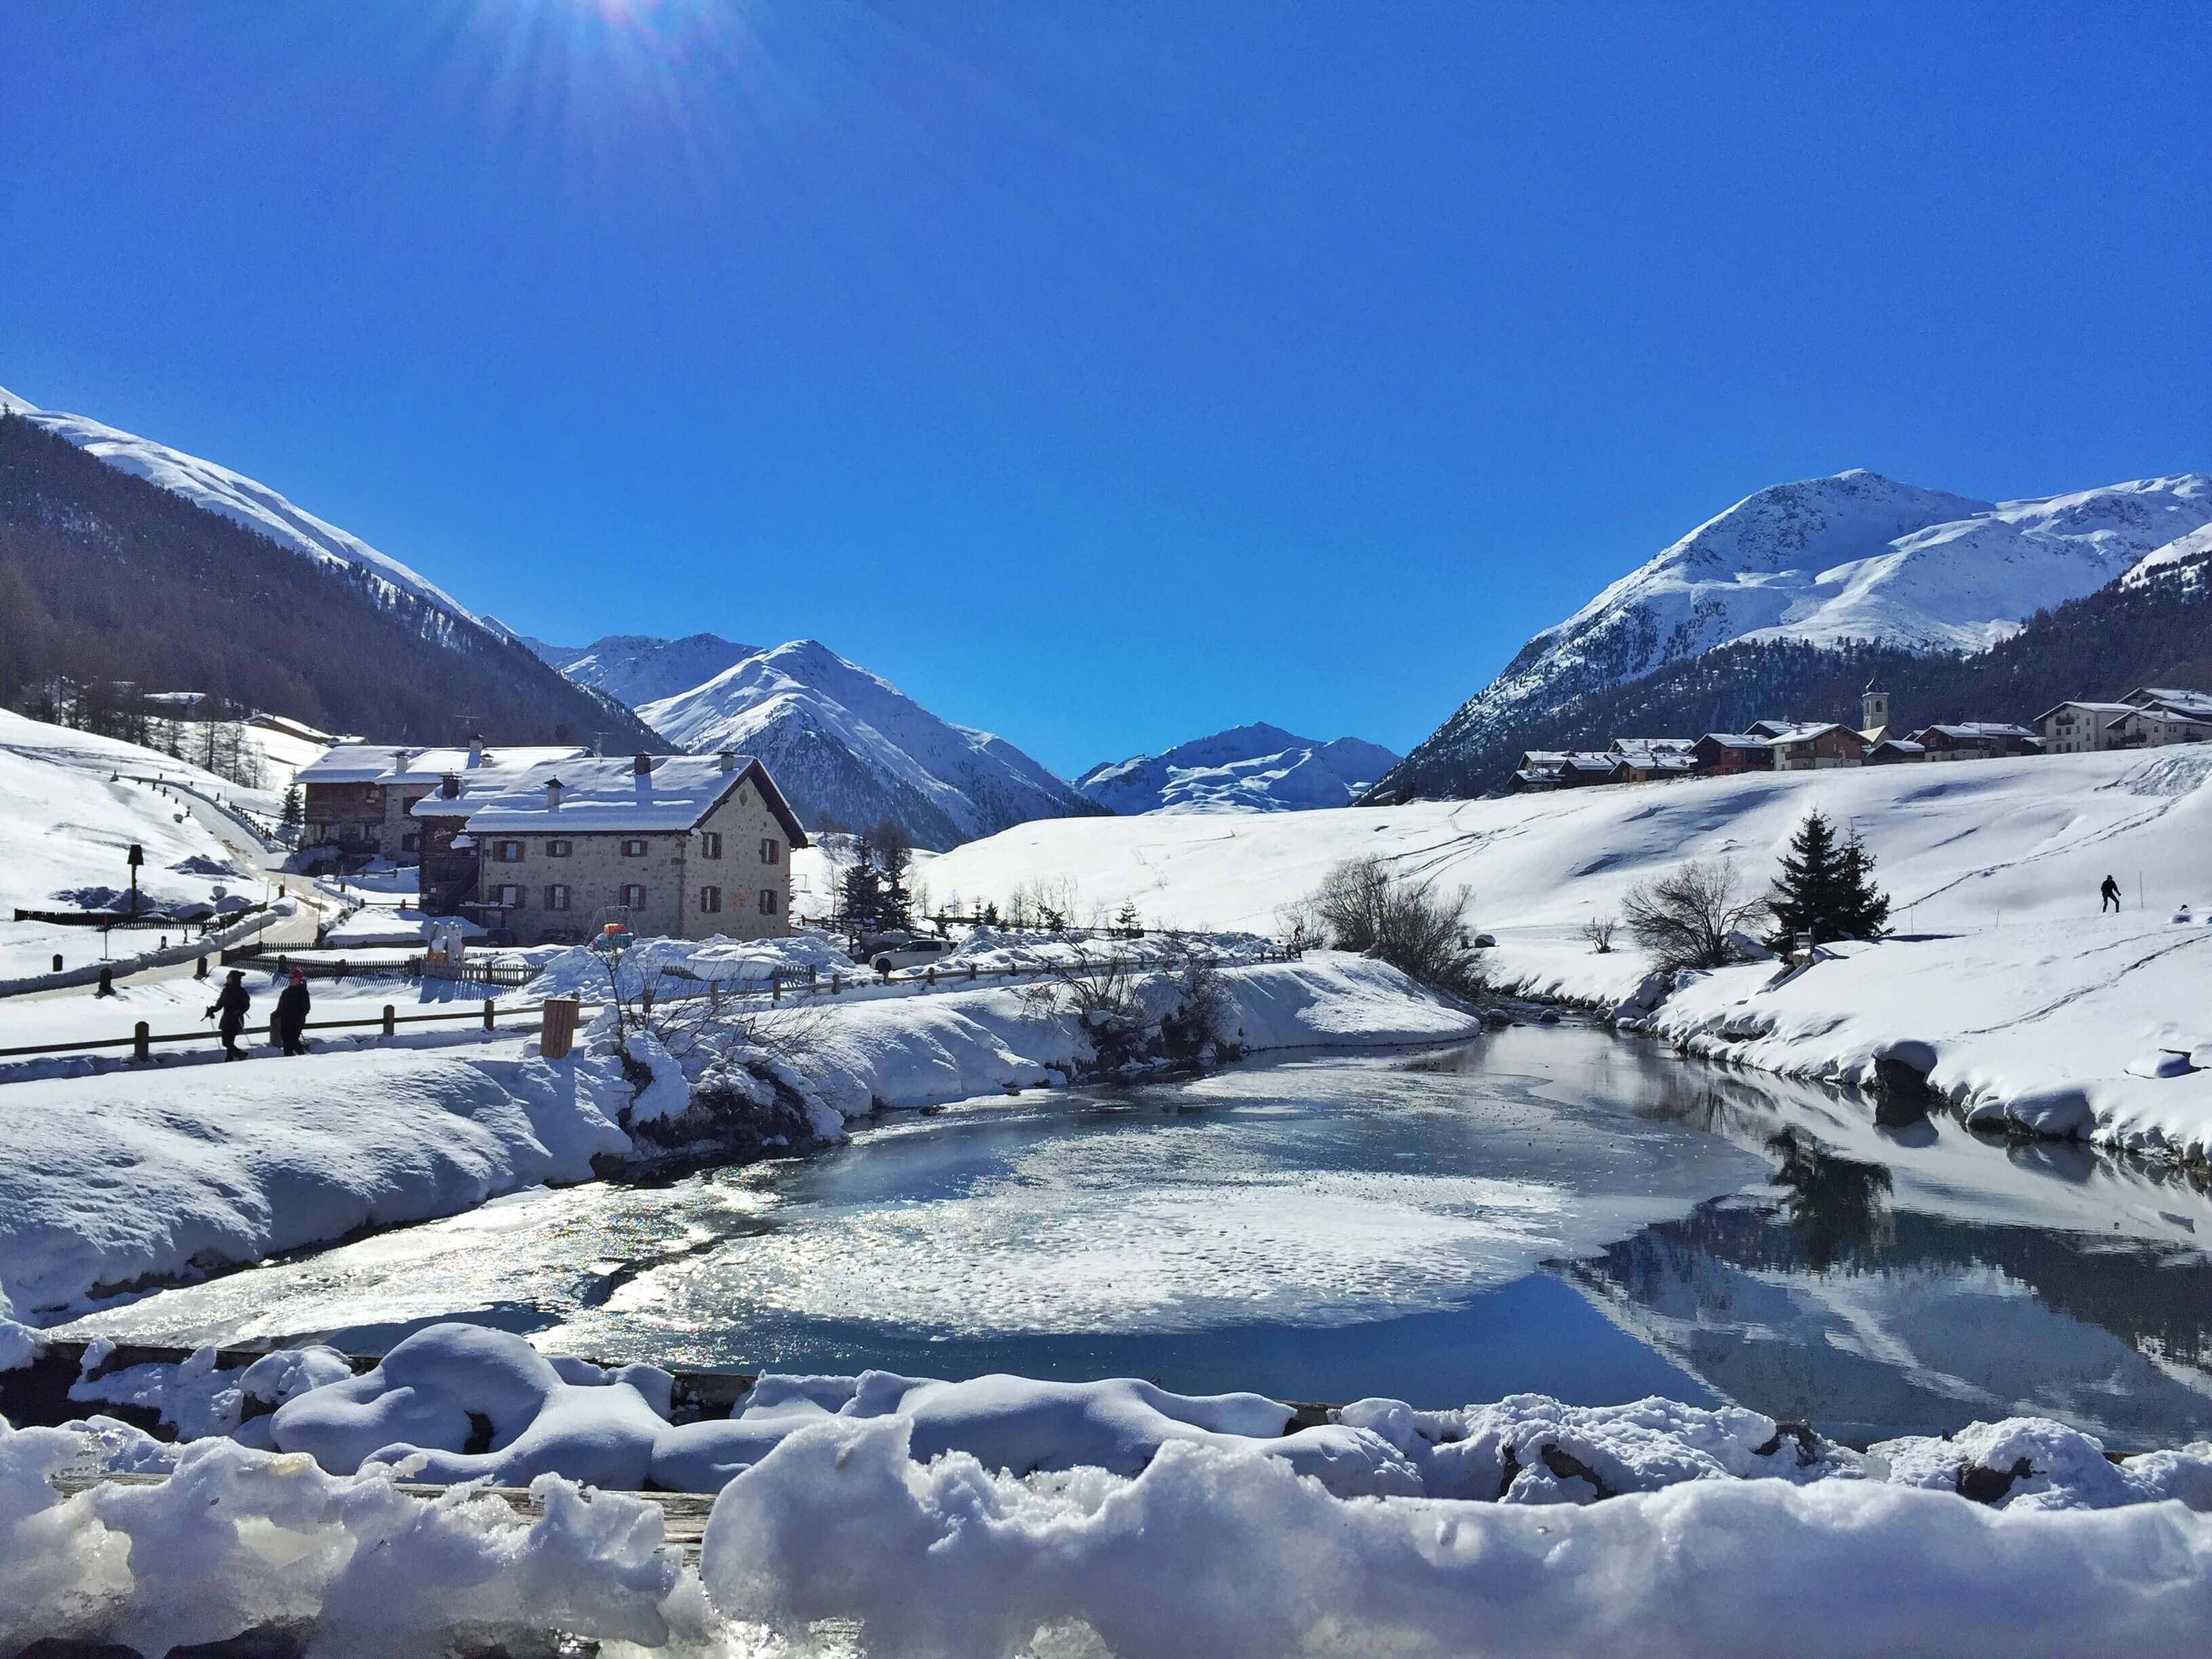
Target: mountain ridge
(1252, 768)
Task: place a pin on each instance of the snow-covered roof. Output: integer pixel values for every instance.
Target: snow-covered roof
(1809, 731)
(1735, 739)
(2160, 711)
(606, 794)
(2093, 707)
(1770, 728)
(479, 777)
(354, 762)
(1968, 731)
(1903, 746)
(1652, 745)
(2195, 704)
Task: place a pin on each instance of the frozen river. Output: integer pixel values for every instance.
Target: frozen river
(1549, 1210)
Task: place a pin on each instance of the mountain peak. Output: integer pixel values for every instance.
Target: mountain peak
(1252, 768)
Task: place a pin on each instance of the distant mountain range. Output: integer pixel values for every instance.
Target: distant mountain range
(1257, 768)
(1773, 593)
(637, 668)
(848, 746)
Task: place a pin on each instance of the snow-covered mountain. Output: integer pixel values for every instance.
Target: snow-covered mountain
(236, 496)
(1855, 557)
(847, 744)
(638, 668)
(1254, 768)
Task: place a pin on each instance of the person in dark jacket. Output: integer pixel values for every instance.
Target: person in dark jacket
(291, 1018)
(231, 1002)
(2110, 893)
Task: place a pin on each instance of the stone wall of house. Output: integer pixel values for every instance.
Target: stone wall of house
(745, 823)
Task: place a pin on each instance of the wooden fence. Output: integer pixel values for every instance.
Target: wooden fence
(814, 984)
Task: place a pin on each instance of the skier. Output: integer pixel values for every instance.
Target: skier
(232, 1003)
(2111, 893)
(291, 1018)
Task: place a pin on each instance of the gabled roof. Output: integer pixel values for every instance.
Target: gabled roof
(2078, 702)
(1903, 746)
(353, 762)
(1971, 731)
(2197, 704)
(1768, 728)
(1651, 746)
(606, 794)
(1809, 731)
(1735, 739)
(479, 777)
(2162, 711)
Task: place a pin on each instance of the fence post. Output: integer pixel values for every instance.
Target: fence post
(836, 982)
(391, 1025)
(57, 965)
(774, 988)
(488, 1008)
(106, 982)
(714, 996)
(140, 1048)
(932, 976)
(201, 971)
(971, 970)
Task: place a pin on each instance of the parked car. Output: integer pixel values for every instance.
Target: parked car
(910, 953)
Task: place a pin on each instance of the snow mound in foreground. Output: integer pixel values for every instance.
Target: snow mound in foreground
(964, 1518)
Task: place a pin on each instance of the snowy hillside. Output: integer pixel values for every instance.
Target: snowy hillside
(846, 743)
(1853, 558)
(2035, 1003)
(1254, 768)
(638, 668)
(236, 496)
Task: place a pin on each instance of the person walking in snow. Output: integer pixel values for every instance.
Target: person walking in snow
(231, 1003)
(291, 1020)
(2111, 893)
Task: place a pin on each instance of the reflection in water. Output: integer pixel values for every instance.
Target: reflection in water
(1334, 1227)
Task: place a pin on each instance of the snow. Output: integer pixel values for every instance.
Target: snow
(2038, 1006)
(841, 740)
(1257, 768)
(238, 497)
(637, 668)
(1003, 1516)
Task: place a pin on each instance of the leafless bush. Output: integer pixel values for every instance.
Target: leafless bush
(1598, 930)
(1363, 905)
(1683, 919)
(1107, 997)
(701, 1028)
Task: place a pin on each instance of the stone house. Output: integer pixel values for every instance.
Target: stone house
(429, 804)
(1976, 740)
(684, 846)
(1816, 748)
(2157, 725)
(2079, 728)
(342, 799)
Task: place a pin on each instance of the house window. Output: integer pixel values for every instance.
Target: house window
(556, 849)
(556, 898)
(768, 900)
(634, 898)
(710, 899)
(633, 850)
(508, 852)
(771, 849)
(710, 844)
(410, 843)
(511, 897)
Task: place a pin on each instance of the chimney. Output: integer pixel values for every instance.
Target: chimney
(476, 749)
(399, 760)
(450, 786)
(552, 795)
(643, 765)
(729, 759)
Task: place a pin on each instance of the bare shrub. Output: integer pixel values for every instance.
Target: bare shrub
(1683, 919)
(1598, 930)
(1363, 905)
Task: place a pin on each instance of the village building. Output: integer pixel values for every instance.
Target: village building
(687, 846)
(1893, 751)
(1654, 757)
(2079, 728)
(2158, 725)
(1721, 754)
(427, 806)
(1976, 740)
(1770, 730)
(1816, 748)
(342, 801)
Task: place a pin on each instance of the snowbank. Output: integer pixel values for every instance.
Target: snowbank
(960, 1519)
(666, 963)
(2045, 1016)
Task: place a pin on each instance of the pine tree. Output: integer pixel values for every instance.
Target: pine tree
(293, 810)
(1824, 890)
(1127, 918)
(862, 896)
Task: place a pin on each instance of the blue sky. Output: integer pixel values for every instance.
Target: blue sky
(1105, 374)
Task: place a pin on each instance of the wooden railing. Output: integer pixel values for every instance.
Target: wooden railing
(142, 1039)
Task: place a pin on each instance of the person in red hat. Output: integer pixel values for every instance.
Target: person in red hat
(291, 1021)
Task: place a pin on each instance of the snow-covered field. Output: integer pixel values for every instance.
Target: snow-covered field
(999, 1516)
(2037, 1008)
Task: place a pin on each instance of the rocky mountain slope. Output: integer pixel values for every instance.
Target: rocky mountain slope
(848, 746)
(1257, 768)
(636, 668)
(1856, 561)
